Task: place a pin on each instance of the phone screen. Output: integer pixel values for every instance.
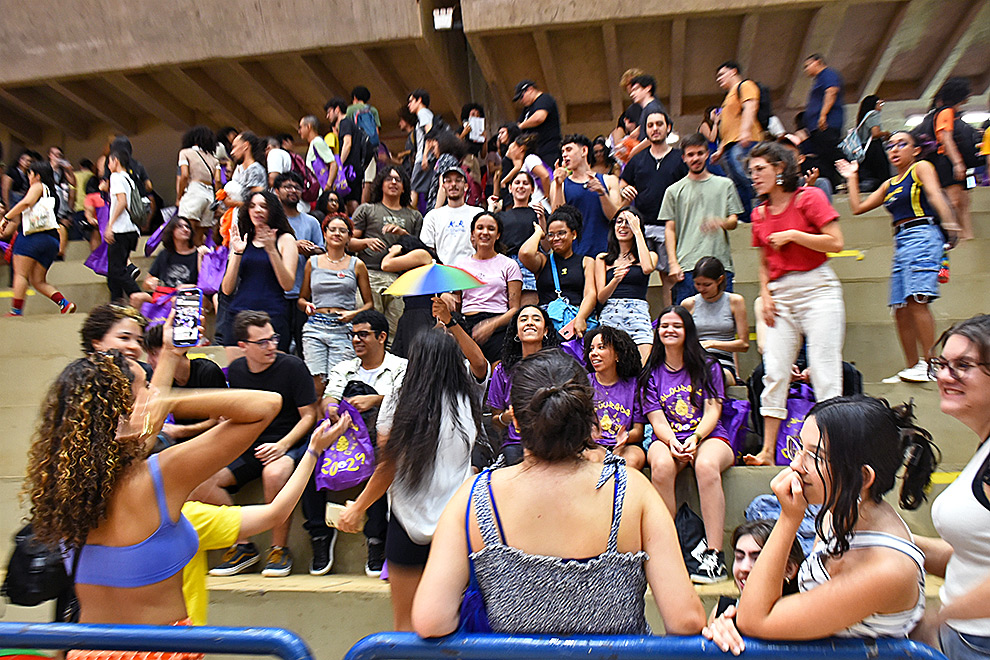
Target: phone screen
(185, 329)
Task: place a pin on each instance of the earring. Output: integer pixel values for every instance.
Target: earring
(517, 340)
(779, 180)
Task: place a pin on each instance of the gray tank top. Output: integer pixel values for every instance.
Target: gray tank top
(536, 594)
(333, 288)
(714, 321)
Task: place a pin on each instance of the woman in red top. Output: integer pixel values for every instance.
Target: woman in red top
(802, 297)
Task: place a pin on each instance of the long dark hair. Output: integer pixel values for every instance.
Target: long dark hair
(512, 347)
(376, 195)
(865, 106)
(436, 380)
(696, 360)
(629, 362)
(613, 250)
(47, 176)
(276, 216)
(168, 234)
(861, 431)
(553, 404)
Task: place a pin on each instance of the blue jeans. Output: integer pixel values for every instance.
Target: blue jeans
(685, 288)
(734, 162)
(960, 646)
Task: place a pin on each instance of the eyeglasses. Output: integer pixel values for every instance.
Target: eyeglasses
(558, 234)
(796, 451)
(268, 341)
(890, 146)
(958, 369)
(291, 186)
(393, 179)
(360, 334)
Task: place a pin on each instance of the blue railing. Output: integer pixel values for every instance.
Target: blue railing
(190, 639)
(390, 646)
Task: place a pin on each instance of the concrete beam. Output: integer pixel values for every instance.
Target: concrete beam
(96, 104)
(316, 69)
(145, 91)
(24, 128)
(550, 71)
(975, 18)
(886, 51)
(444, 54)
(612, 66)
(678, 55)
(822, 31)
(263, 84)
(496, 82)
(33, 104)
(220, 99)
(382, 71)
(746, 45)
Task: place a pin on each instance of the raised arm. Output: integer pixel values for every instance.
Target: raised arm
(529, 251)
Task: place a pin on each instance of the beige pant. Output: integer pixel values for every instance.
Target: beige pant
(391, 306)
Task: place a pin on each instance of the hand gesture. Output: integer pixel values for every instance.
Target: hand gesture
(619, 271)
(789, 490)
(375, 245)
(580, 326)
(328, 433)
(538, 230)
(268, 452)
(629, 193)
(266, 236)
(595, 186)
(633, 220)
(846, 169)
(440, 310)
(494, 204)
(560, 173)
(724, 633)
(779, 239)
(237, 242)
(540, 211)
(390, 228)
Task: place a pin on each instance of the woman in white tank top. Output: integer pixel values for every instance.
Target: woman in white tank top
(865, 577)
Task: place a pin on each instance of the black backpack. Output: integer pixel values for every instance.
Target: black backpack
(765, 109)
(964, 135)
(35, 572)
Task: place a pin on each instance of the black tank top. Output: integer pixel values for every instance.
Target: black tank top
(633, 285)
(570, 271)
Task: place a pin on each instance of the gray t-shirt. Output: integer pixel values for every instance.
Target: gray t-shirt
(371, 220)
(869, 121)
(688, 204)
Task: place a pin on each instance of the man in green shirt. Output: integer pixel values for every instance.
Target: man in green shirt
(367, 119)
(698, 212)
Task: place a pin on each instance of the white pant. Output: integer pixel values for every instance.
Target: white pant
(809, 306)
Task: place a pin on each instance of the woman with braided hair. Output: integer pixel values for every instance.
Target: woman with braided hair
(115, 511)
(586, 538)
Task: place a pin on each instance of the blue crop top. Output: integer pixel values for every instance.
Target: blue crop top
(906, 198)
(158, 557)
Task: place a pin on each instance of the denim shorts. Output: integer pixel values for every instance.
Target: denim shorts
(529, 279)
(326, 342)
(914, 272)
(631, 315)
(963, 646)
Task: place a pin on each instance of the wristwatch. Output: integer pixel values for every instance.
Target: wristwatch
(452, 323)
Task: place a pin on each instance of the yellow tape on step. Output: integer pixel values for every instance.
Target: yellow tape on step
(10, 294)
(847, 253)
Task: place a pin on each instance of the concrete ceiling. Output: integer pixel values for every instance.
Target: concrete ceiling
(280, 60)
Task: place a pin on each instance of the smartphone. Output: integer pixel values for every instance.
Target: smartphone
(568, 331)
(188, 306)
(333, 511)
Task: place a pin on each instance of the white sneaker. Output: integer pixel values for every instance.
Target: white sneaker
(896, 378)
(916, 374)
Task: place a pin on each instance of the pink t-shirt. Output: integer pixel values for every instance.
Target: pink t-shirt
(496, 273)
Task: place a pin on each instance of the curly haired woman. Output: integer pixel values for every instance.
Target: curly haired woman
(91, 486)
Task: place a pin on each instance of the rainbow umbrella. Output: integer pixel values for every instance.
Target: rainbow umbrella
(431, 279)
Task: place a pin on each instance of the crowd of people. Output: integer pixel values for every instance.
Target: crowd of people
(553, 369)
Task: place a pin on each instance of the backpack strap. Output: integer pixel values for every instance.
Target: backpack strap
(614, 468)
(553, 271)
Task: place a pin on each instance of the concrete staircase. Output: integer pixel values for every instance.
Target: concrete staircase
(334, 611)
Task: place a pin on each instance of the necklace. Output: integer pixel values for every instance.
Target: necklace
(335, 261)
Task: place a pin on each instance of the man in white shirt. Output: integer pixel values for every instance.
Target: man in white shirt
(448, 228)
(277, 159)
(121, 234)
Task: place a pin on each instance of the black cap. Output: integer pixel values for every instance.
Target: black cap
(522, 87)
(453, 168)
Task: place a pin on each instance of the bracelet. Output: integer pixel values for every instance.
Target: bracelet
(238, 253)
(312, 453)
(452, 323)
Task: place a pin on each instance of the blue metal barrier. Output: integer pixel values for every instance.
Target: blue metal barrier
(390, 646)
(190, 639)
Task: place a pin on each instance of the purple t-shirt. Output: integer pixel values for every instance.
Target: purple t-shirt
(617, 406)
(498, 398)
(670, 391)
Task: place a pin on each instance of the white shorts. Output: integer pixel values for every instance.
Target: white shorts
(195, 204)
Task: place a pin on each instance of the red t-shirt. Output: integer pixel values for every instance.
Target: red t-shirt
(808, 211)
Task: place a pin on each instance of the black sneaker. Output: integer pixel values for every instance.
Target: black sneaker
(711, 568)
(376, 558)
(133, 271)
(237, 559)
(279, 562)
(323, 553)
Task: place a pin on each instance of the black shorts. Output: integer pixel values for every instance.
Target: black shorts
(946, 178)
(402, 550)
(246, 467)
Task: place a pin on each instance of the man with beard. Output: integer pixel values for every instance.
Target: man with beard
(646, 178)
(699, 211)
(378, 225)
(309, 241)
(448, 228)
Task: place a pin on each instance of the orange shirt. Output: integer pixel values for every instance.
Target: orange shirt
(945, 120)
(730, 119)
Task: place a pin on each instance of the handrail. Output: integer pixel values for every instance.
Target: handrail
(390, 646)
(189, 639)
